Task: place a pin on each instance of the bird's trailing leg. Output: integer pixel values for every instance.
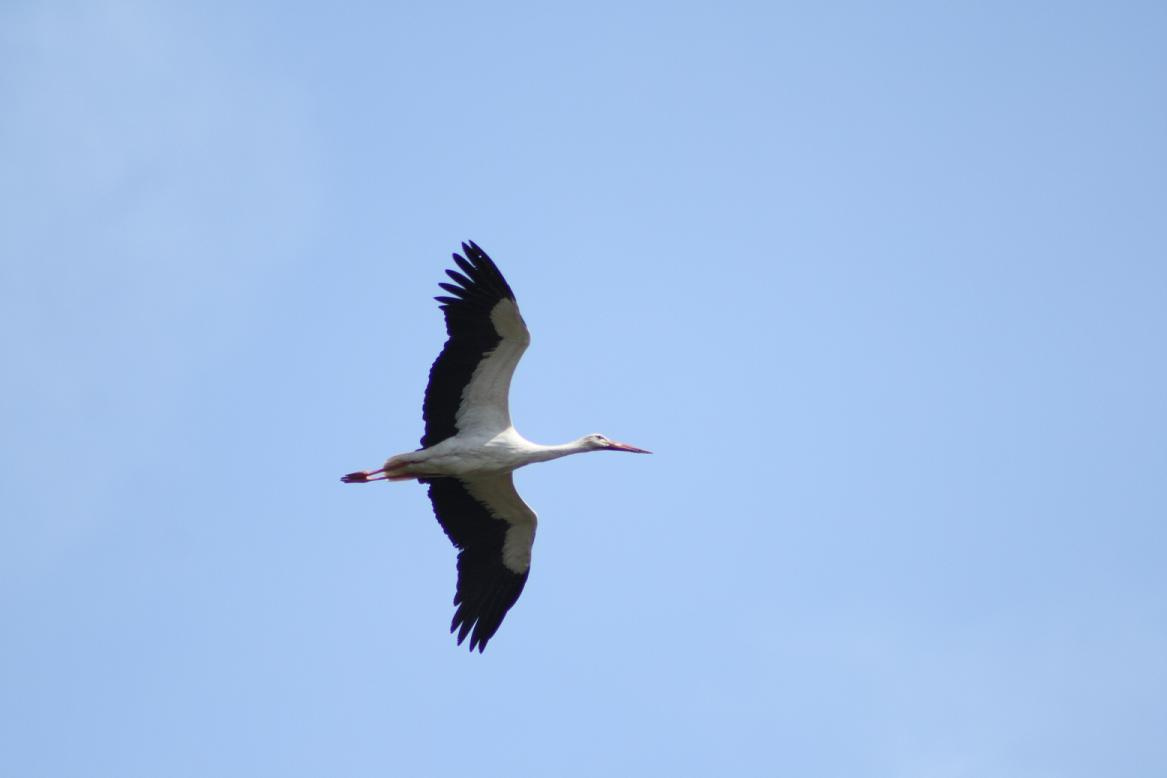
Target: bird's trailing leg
(364, 476)
(396, 469)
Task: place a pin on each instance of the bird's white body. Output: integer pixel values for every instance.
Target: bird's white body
(479, 454)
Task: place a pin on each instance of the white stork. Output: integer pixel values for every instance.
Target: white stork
(470, 447)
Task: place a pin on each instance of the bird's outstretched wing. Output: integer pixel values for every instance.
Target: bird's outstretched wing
(494, 530)
(471, 378)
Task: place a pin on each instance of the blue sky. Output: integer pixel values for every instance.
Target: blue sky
(883, 285)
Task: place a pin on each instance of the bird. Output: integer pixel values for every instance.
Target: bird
(470, 447)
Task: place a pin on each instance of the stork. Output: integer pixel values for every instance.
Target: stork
(470, 448)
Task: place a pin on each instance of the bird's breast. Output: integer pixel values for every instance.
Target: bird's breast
(475, 457)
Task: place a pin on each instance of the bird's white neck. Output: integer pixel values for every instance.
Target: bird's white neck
(542, 453)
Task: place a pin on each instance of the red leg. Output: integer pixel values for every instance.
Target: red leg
(364, 476)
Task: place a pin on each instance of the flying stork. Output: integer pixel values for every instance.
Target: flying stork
(470, 448)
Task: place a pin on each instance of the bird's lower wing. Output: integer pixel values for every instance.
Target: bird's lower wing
(494, 529)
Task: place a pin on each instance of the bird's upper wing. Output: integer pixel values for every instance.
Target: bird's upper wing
(471, 378)
(495, 529)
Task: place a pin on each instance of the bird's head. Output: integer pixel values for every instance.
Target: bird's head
(597, 442)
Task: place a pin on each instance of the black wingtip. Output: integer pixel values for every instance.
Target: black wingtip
(467, 628)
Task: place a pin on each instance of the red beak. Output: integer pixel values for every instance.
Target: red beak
(614, 446)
